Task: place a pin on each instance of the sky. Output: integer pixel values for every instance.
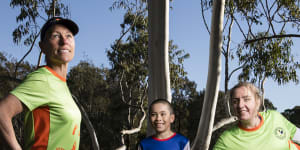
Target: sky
(99, 27)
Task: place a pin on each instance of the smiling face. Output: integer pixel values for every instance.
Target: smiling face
(58, 45)
(245, 104)
(161, 118)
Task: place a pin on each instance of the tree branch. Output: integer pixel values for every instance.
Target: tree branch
(88, 124)
(271, 37)
(269, 18)
(54, 8)
(282, 28)
(224, 122)
(122, 92)
(204, 20)
(288, 20)
(123, 147)
(249, 25)
(240, 28)
(263, 92)
(229, 36)
(124, 33)
(121, 88)
(226, 65)
(236, 69)
(40, 59)
(134, 130)
(18, 64)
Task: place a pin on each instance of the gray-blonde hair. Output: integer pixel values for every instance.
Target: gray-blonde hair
(256, 91)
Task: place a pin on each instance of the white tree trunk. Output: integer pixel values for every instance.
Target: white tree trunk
(202, 139)
(159, 76)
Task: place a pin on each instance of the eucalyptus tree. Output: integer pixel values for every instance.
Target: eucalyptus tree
(252, 26)
(268, 58)
(129, 60)
(205, 127)
(258, 36)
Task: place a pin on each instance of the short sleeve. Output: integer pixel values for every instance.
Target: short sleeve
(219, 144)
(140, 147)
(187, 146)
(296, 137)
(290, 126)
(32, 91)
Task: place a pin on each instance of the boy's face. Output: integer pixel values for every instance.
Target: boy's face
(161, 118)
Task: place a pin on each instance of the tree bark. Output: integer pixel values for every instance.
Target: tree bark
(227, 78)
(262, 88)
(159, 75)
(224, 122)
(203, 136)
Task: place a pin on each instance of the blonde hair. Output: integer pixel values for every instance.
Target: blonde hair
(256, 91)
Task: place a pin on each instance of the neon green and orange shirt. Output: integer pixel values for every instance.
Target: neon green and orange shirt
(273, 133)
(53, 119)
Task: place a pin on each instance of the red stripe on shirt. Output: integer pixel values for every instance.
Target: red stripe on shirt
(56, 74)
(41, 118)
(298, 147)
(155, 138)
(255, 128)
(74, 146)
(74, 130)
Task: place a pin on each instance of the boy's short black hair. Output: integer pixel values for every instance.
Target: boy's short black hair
(163, 101)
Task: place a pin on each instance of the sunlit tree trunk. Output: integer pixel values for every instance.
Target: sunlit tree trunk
(203, 136)
(159, 76)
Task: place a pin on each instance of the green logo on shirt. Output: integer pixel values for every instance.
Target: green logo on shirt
(280, 133)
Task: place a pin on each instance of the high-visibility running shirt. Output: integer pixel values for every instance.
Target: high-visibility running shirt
(175, 142)
(273, 133)
(53, 119)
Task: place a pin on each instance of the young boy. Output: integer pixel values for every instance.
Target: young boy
(162, 115)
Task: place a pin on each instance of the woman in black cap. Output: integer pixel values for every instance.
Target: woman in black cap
(52, 119)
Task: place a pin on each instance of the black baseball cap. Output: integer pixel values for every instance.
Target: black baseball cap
(72, 26)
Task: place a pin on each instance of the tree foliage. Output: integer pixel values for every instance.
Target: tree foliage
(86, 82)
(266, 28)
(129, 65)
(31, 11)
(293, 115)
(7, 79)
(268, 59)
(97, 94)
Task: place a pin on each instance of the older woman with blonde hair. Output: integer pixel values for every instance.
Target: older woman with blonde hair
(255, 130)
